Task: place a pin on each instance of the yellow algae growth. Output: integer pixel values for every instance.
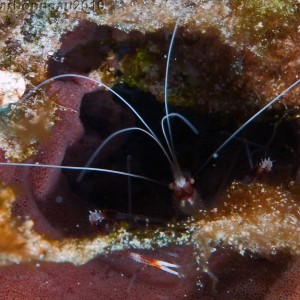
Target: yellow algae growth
(254, 218)
(19, 242)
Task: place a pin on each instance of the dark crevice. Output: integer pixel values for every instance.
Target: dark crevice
(101, 114)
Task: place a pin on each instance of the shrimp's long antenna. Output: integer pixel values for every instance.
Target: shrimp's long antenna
(172, 159)
(181, 117)
(109, 138)
(171, 145)
(97, 82)
(277, 98)
(38, 165)
(121, 131)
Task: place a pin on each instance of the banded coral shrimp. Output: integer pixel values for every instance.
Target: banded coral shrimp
(48, 166)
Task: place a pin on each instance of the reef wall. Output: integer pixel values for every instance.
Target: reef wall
(230, 58)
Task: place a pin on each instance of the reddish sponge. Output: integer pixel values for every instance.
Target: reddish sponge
(287, 287)
(35, 185)
(67, 130)
(104, 278)
(243, 277)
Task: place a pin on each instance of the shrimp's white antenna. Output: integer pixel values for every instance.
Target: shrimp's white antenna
(173, 162)
(97, 82)
(181, 117)
(38, 165)
(109, 138)
(121, 131)
(276, 99)
(171, 156)
(171, 143)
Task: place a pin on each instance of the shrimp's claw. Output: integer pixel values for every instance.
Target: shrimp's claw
(265, 166)
(159, 264)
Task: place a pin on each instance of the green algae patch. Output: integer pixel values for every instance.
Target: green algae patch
(262, 23)
(145, 69)
(139, 67)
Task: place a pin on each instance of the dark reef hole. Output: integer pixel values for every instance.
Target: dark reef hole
(263, 139)
(204, 74)
(103, 190)
(239, 160)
